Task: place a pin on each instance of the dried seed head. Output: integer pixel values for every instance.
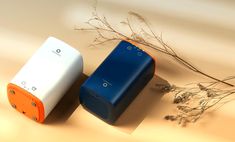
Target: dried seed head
(183, 122)
(185, 109)
(210, 93)
(201, 87)
(182, 98)
(170, 117)
(178, 100)
(163, 87)
(167, 88)
(202, 102)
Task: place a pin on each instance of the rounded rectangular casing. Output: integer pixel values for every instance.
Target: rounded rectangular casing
(117, 81)
(44, 79)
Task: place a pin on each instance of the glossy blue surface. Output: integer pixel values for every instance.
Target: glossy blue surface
(117, 81)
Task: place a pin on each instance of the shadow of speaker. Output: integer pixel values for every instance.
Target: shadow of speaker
(68, 104)
(141, 106)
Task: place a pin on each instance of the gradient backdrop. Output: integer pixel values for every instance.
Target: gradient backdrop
(201, 31)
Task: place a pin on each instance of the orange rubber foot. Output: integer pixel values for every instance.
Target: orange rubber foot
(25, 102)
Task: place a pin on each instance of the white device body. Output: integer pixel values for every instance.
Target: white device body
(50, 72)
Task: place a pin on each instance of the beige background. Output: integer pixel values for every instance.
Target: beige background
(202, 32)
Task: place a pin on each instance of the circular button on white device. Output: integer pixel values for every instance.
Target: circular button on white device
(34, 88)
(58, 50)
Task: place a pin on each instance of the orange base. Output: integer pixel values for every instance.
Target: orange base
(25, 102)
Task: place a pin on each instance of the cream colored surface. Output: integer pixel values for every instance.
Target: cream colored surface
(202, 32)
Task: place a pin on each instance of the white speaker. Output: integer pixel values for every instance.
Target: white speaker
(44, 79)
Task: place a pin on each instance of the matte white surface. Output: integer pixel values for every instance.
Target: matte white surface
(50, 72)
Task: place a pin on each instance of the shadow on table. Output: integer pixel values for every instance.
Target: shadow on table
(128, 121)
(68, 104)
(141, 106)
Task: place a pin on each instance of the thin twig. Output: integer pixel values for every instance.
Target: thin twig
(193, 100)
(101, 25)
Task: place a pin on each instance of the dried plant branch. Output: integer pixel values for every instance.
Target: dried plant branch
(193, 100)
(107, 33)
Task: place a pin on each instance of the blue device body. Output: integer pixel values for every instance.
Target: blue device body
(117, 81)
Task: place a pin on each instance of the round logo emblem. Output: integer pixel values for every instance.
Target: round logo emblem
(58, 50)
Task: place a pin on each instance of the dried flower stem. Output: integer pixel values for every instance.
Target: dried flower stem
(107, 33)
(192, 102)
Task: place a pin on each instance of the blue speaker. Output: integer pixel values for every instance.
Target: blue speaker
(117, 81)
